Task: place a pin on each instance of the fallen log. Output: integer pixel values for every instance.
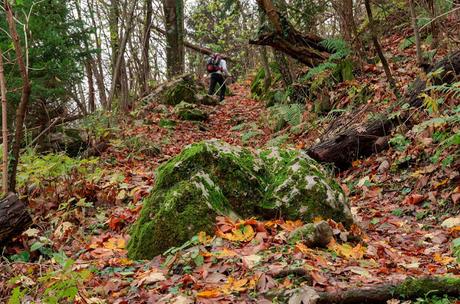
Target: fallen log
(409, 289)
(14, 217)
(348, 139)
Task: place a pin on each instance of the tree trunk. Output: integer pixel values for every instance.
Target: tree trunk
(146, 47)
(25, 94)
(98, 69)
(418, 44)
(174, 25)
(348, 139)
(14, 217)
(4, 126)
(266, 65)
(283, 37)
(119, 79)
(379, 49)
(91, 93)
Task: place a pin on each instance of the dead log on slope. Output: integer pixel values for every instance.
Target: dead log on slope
(281, 35)
(354, 138)
(14, 217)
(409, 289)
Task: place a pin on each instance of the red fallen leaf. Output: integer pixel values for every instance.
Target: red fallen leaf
(414, 199)
(456, 198)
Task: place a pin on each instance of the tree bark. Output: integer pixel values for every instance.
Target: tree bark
(266, 65)
(418, 44)
(14, 217)
(120, 66)
(146, 47)
(26, 89)
(348, 139)
(174, 25)
(3, 92)
(379, 49)
(280, 35)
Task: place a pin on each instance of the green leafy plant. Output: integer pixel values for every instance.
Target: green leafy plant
(400, 142)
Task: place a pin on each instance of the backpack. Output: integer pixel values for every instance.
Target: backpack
(213, 64)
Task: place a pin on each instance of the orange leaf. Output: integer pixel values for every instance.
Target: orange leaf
(208, 294)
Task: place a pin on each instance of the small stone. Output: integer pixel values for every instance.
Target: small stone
(384, 166)
(451, 222)
(312, 235)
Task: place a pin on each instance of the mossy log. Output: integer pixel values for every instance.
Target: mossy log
(409, 289)
(349, 138)
(14, 217)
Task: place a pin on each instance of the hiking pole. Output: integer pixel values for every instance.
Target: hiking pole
(218, 90)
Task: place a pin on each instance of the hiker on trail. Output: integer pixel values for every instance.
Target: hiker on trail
(217, 68)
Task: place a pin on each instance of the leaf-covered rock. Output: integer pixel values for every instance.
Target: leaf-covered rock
(214, 178)
(188, 111)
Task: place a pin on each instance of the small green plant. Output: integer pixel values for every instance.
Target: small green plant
(61, 285)
(456, 249)
(400, 142)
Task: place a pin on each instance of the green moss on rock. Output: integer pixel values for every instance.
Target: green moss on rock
(188, 111)
(214, 178)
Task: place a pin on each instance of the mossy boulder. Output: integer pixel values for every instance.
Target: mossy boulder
(181, 88)
(188, 111)
(214, 178)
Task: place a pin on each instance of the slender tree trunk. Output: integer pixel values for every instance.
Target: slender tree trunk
(120, 65)
(378, 48)
(91, 93)
(416, 32)
(266, 65)
(98, 69)
(174, 25)
(26, 88)
(4, 127)
(146, 47)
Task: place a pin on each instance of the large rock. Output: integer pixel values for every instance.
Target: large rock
(181, 88)
(213, 178)
(188, 111)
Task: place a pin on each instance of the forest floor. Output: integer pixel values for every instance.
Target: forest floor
(400, 200)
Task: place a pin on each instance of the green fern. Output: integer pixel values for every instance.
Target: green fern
(339, 50)
(452, 90)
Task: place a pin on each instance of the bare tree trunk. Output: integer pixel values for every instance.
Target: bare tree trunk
(266, 65)
(284, 68)
(22, 108)
(4, 126)
(418, 44)
(146, 47)
(91, 93)
(120, 65)
(98, 70)
(378, 48)
(174, 25)
(431, 7)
